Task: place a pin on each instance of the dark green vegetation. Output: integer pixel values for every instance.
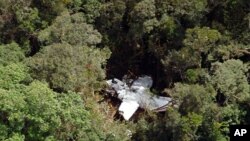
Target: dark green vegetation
(55, 55)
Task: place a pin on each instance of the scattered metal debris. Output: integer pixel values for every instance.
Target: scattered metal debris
(135, 94)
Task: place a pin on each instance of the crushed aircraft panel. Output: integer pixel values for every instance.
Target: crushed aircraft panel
(137, 95)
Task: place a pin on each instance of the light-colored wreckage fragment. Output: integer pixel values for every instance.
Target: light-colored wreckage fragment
(137, 95)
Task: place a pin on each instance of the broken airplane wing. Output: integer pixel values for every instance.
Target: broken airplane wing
(128, 108)
(137, 95)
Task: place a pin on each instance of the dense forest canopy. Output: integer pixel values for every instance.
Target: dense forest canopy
(55, 56)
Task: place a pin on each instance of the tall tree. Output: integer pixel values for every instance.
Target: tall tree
(71, 29)
(229, 79)
(66, 67)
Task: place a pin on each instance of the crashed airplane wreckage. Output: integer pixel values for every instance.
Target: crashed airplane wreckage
(137, 95)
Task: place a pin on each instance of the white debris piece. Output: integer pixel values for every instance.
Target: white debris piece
(145, 82)
(137, 95)
(128, 108)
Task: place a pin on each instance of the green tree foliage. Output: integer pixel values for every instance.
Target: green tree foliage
(188, 127)
(198, 117)
(184, 122)
(62, 116)
(142, 18)
(229, 79)
(191, 11)
(51, 8)
(32, 111)
(213, 128)
(72, 30)
(35, 112)
(187, 95)
(28, 19)
(10, 53)
(230, 51)
(66, 67)
(91, 9)
(201, 40)
(13, 74)
(235, 16)
(40, 114)
(197, 75)
(198, 43)
(168, 25)
(110, 20)
(20, 20)
(197, 51)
